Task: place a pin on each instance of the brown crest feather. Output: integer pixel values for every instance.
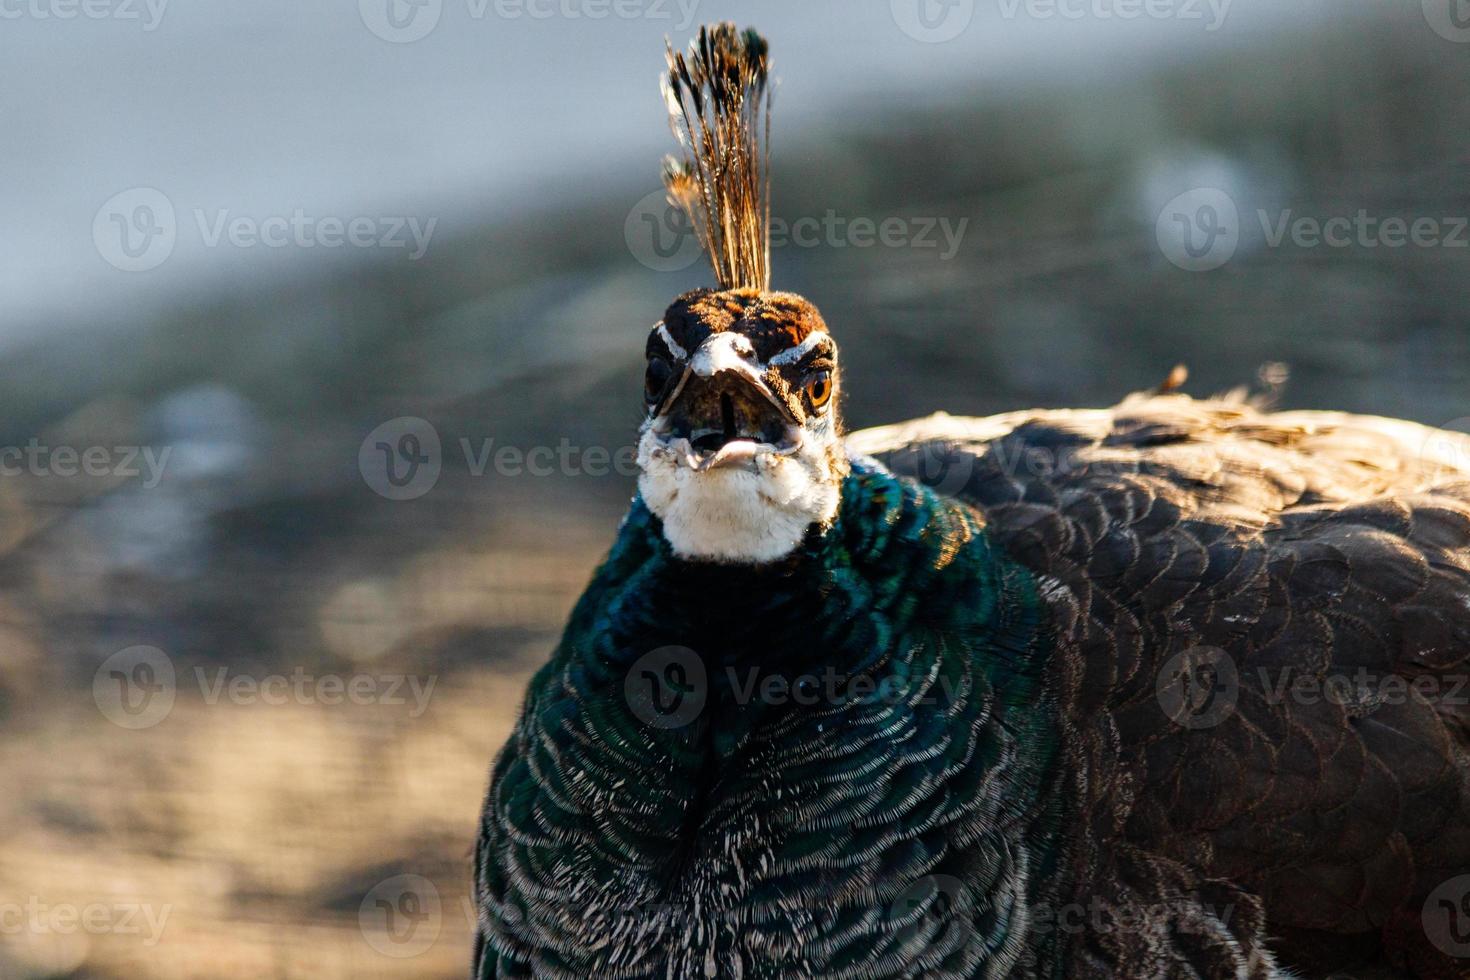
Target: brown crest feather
(717, 96)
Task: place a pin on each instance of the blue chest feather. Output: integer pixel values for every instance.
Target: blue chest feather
(836, 766)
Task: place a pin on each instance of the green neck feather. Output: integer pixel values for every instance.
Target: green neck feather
(766, 771)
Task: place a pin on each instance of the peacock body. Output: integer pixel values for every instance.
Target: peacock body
(1167, 690)
(783, 790)
(1012, 779)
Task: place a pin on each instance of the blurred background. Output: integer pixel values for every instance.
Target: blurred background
(320, 350)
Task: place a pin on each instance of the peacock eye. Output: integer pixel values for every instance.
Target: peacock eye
(656, 378)
(819, 389)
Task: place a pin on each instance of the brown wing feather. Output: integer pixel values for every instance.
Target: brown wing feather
(1327, 557)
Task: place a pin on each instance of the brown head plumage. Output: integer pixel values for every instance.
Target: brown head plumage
(719, 98)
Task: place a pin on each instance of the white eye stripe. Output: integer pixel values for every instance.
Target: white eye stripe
(801, 350)
(674, 348)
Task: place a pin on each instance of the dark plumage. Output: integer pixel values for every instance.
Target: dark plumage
(1174, 690)
(761, 837)
(781, 840)
(1327, 557)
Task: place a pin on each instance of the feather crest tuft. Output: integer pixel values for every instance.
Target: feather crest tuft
(719, 101)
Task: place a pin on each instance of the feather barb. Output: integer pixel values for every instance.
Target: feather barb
(718, 96)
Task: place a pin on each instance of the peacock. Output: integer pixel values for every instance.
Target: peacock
(1173, 689)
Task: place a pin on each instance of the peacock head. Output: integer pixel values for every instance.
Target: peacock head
(741, 452)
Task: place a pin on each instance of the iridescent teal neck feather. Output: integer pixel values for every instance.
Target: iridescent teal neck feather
(836, 766)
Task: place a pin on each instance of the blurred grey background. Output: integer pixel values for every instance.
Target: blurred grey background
(320, 341)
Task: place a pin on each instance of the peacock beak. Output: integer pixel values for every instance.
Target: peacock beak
(723, 414)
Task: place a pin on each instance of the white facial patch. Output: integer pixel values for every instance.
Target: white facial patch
(752, 505)
(750, 514)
